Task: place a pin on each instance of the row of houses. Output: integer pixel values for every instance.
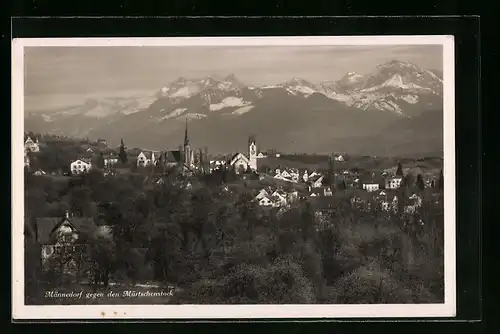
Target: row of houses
(278, 197)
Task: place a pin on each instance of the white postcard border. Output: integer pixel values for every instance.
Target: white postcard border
(20, 311)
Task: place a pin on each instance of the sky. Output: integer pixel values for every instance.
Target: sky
(96, 70)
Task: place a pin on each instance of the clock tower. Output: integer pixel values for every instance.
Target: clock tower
(252, 153)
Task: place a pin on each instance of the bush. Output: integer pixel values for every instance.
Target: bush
(371, 284)
(283, 282)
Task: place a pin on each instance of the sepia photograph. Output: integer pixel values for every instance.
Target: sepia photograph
(248, 177)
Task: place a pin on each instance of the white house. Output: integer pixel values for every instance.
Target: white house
(293, 196)
(239, 162)
(110, 160)
(216, 164)
(393, 182)
(305, 176)
(316, 181)
(417, 200)
(81, 166)
(278, 201)
(327, 191)
(39, 172)
(339, 158)
(146, 159)
(278, 198)
(371, 187)
(261, 155)
(313, 174)
(26, 159)
(262, 194)
(285, 174)
(265, 201)
(31, 146)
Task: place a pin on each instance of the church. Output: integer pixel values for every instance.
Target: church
(241, 162)
(193, 162)
(184, 156)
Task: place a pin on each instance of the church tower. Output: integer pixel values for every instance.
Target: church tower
(188, 154)
(252, 152)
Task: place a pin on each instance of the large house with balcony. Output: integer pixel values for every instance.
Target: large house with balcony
(66, 237)
(80, 166)
(393, 182)
(31, 146)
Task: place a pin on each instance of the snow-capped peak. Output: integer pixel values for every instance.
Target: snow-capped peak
(351, 74)
(351, 77)
(395, 81)
(298, 85)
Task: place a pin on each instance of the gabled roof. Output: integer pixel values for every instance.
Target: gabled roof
(86, 160)
(171, 156)
(316, 178)
(147, 154)
(316, 191)
(237, 156)
(45, 226)
(111, 156)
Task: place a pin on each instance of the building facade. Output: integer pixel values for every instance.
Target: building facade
(80, 166)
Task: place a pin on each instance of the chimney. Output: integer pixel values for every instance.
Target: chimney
(67, 214)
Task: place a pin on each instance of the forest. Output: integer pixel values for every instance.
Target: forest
(215, 245)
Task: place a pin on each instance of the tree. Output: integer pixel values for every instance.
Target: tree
(420, 182)
(100, 161)
(331, 172)
(399, 172)
(441, 180)
(122, 154)
(407, 181)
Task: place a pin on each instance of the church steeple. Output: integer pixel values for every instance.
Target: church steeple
(186, 139)
(188, 154)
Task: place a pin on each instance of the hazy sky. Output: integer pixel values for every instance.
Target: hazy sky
(89, 70)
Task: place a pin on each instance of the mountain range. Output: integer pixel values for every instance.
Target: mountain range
(397, 109)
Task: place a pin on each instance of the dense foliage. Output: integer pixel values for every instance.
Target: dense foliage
(218, 246)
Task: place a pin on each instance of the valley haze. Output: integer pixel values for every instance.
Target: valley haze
(371, 100)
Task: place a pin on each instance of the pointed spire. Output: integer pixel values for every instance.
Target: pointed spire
(186, 139)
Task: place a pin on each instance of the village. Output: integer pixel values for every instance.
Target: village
(292, 183)
(273, 184)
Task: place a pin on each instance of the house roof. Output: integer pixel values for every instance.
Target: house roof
(238, 156)
(46, 225)
(86, 160)
(147, 154)
(110, 156)
(171, 156)
(315, 177)
(317, 191)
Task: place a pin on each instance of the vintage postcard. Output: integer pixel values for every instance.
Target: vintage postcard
(236, 178)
